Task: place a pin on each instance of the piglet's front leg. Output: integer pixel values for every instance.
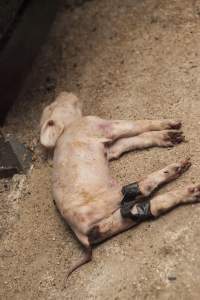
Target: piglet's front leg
(164, 138)
(120, 128)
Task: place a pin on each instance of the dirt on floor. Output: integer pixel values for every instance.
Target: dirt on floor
(130, 59)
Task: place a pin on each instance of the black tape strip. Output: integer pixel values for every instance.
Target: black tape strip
(131, 192)
(143, 211)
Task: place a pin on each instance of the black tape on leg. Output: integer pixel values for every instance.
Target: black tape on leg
(143, 211)
(131, 190)
(125, 209)
(131, 193)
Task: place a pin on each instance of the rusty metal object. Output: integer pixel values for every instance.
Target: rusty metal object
(14, 157)
(20, 46)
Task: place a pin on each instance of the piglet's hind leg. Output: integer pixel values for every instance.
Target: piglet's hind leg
(157, 206)
(140, 206)
(145, 187)
(138, 191)
(163, 176)
(163, 203)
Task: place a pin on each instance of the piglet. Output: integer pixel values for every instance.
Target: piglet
(94, 204)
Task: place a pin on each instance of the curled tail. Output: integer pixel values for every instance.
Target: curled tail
(85, 259)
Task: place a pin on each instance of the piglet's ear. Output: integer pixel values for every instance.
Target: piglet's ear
(50, 132)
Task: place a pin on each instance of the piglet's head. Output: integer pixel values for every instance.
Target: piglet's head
(57, 116)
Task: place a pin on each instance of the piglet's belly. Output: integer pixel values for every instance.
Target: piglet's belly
(83, 212)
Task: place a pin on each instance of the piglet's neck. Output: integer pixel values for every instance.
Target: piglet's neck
(72, 118)
(71, 121)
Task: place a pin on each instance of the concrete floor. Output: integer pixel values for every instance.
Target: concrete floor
(129, 59)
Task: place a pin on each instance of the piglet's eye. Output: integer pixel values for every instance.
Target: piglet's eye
(51, 123)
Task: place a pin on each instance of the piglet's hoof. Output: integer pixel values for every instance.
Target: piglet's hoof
(194, 193)
(174, 137)
(175, 125)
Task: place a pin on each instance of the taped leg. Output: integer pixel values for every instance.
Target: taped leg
(164, 138)
(116, 223)
(138, 191)
(138, 212)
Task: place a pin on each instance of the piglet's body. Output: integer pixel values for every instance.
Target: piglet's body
(83, 189)
(88, 198)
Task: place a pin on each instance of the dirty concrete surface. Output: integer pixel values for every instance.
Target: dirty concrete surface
(129, 60)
